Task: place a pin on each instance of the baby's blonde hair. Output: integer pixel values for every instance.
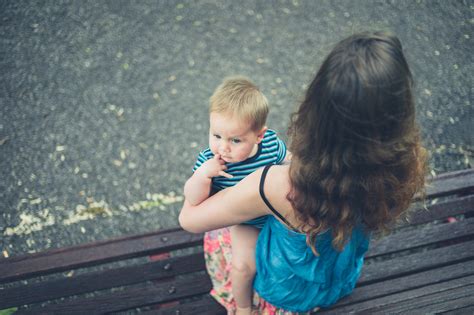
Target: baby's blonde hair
(240, 98)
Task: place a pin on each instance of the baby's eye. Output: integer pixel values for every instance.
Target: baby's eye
(236, 141)
(217, 136)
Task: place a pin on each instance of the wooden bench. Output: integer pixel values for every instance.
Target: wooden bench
(425, 266)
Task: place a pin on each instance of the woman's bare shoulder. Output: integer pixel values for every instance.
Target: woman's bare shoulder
(277, 186)
(278, 175)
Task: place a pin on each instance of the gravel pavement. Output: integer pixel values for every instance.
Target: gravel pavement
(103, 104)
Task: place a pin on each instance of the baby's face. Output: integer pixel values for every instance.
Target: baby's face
(234, 140)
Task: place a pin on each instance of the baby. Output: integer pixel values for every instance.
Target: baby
(239, 143)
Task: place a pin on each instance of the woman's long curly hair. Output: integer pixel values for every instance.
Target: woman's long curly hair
(357, 157)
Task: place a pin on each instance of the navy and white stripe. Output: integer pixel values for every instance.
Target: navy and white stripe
(271, 150)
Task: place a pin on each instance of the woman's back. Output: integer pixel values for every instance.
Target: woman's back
(300, 280)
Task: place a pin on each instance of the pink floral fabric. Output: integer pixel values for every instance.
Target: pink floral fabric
(218, 256)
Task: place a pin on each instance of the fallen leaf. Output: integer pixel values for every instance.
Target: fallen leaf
(2, 141)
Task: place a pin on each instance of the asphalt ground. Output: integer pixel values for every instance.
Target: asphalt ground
(103, 104)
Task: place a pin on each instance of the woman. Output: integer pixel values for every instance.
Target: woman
(356, 163)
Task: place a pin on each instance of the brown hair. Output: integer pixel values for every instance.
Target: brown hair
(357, 157)
(242, 99)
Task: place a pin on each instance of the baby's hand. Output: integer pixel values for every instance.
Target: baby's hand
(214, 167)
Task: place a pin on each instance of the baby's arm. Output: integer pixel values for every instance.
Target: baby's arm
(198, 186)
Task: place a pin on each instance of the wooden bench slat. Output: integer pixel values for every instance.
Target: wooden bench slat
(468, 310)
(57, 260)
(205, 305)
(130, 298)
(442, 210)
(122, 239)
(395, 300)
(450, 183)
(454, 299)
(452, 174)
(404, 265)
(437, 301)
(99, 280)
(424, 235)
(413, 281)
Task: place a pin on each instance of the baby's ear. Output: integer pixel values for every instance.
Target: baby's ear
(261, 134)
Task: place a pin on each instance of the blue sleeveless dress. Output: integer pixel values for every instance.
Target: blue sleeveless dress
(291, 277)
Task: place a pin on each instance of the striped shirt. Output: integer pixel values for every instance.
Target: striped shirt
(271, 150)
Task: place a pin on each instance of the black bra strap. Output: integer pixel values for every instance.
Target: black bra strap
(262, 194)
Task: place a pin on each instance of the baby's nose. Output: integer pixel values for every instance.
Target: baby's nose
(225, 147)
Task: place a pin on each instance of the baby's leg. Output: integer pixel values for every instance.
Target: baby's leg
(244, 239)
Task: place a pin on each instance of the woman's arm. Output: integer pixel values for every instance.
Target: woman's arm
(228, 207)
